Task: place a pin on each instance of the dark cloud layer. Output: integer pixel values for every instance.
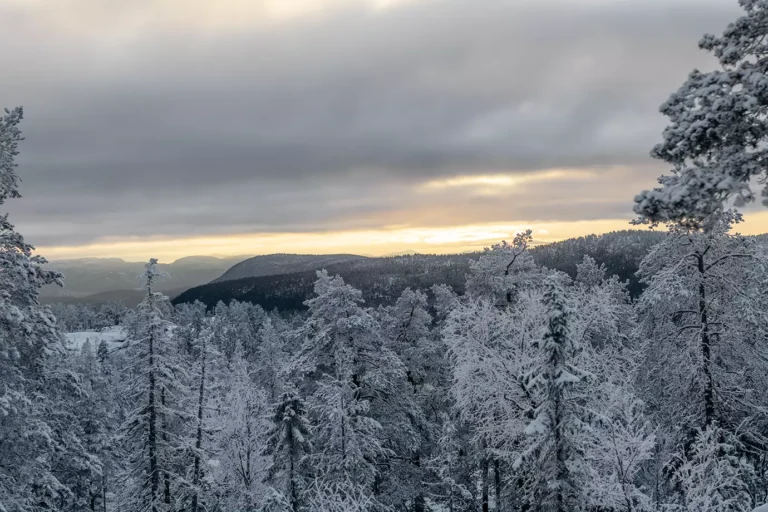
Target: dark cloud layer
(332, 120)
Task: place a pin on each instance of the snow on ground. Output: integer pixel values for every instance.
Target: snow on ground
(763, 508)
(114, 336)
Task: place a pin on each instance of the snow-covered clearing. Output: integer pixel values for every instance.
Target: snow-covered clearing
(114, 336)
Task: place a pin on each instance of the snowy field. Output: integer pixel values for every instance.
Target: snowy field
(114, 336)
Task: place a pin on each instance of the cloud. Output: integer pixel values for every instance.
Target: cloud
(178, 118)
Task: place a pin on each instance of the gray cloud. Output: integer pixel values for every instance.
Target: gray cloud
(327, 121)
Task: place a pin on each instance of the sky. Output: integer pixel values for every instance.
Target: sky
(169, 128)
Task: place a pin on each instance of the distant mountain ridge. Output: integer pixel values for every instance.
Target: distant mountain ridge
(280, 263)
(95, 279)
(100, 280)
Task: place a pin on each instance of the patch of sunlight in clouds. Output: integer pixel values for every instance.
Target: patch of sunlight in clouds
(502, 182)
(378, 242)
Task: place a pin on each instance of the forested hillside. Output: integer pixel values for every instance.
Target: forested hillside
(381, 280)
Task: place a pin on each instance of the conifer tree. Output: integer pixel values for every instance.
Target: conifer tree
(716, 139)
(560, 433)
(150, 433)
(351, 371)
(34, 452)
(288, 443)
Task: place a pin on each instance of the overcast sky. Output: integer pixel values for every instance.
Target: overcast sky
(160, 123)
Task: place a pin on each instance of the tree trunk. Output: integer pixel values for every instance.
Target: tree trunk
(292, 484)
(497, 483)
(199, 439)
(166, 476)
(419, 504)
(154, 481)
(104, 493)
(562, 469)
(343, 427)
(706, 348)
(485, 483)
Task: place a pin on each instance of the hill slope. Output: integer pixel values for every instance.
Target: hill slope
(275, 264)
(380, 279)
(383, 279)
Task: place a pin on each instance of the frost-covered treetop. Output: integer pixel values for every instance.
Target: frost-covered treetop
(716, 139)
(151, 275)
(10, 135)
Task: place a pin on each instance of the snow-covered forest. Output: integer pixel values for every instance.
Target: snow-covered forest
(530, 391)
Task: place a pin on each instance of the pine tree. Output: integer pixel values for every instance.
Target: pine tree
(703, 318)
(102, 352)
(94, 411)
(717, 133)
(407, 423)
(625, 443)
(491, 349)
(199, 453)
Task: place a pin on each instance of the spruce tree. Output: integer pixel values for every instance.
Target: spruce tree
(559, 430)
(150, 433)
(288, 442)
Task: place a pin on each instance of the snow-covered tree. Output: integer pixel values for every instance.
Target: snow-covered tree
(200, 453)
(243, 426)
(449, 462)
(716, 139)
(503, 270)
(349, 371)
(270, 360)
(623, 440)
(150, 433)
(407, 325)
(190, 321)
(560, 432)
(712, 476)
(288, 443)
(94, 409)
(33, 451)
(445, 300)
(704, 320)
(412, 423)
(625, 443)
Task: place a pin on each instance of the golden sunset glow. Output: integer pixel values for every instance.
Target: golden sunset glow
(385, 241)
(371, 243)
